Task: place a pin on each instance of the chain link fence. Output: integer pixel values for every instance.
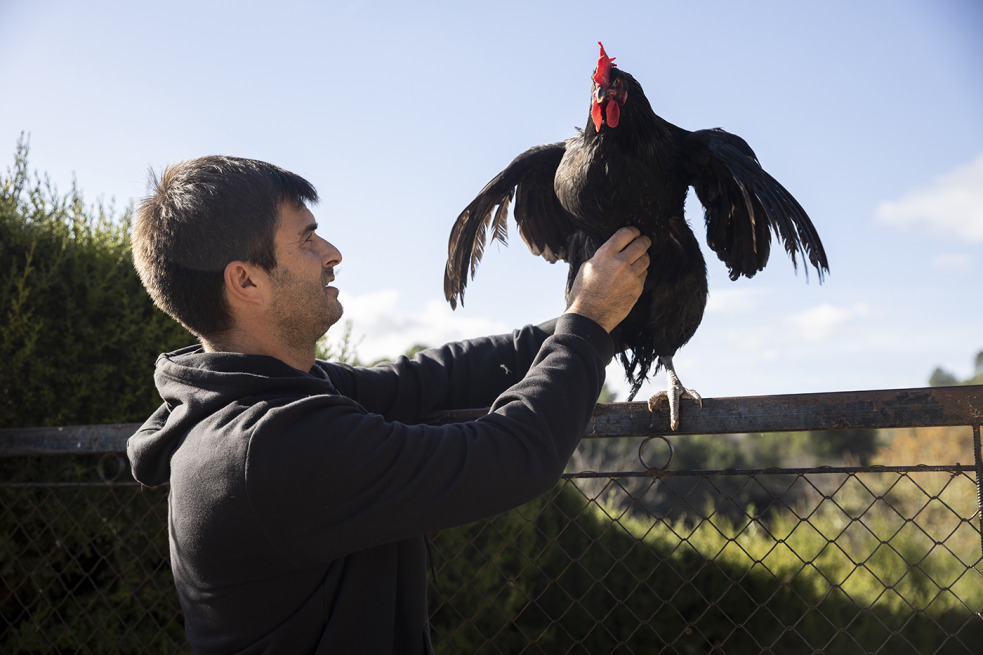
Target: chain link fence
(663, 558)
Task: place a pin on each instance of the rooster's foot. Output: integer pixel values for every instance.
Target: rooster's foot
(675, 391)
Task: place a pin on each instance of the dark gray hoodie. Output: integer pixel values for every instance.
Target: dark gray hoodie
(298, 500)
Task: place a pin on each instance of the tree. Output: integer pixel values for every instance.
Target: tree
(344, 349)
(943, 378)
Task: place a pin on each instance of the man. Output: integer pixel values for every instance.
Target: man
(300, 490)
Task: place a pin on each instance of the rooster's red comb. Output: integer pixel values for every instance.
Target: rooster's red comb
(604, 65)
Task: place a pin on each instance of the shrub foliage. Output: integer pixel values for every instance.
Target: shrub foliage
(78, 333)
(78, 341)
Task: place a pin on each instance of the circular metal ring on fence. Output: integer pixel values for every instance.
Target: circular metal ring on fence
(641, 458)
(120, 463)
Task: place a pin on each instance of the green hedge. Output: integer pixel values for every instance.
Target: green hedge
(78, 341)
(78, 333)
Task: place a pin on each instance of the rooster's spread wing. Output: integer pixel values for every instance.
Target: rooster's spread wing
(543, 223)
(742, 203)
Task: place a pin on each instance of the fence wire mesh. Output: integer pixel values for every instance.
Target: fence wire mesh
(845, 562)
(84, 563)
(829, 560)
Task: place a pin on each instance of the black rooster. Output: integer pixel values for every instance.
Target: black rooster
(631, 167)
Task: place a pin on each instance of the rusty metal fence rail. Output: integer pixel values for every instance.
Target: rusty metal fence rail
(650, 557)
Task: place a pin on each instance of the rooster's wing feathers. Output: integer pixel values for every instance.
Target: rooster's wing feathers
(742, 202)
(543, 223)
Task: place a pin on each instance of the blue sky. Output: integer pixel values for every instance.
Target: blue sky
(870, 113)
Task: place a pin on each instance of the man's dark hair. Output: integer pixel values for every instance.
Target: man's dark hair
(201, 215)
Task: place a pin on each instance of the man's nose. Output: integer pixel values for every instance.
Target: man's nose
(331, 255)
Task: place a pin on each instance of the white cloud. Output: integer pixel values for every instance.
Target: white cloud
(380, 329)
(734, 301)
(954, 262)
(825, 321)
(952, 205)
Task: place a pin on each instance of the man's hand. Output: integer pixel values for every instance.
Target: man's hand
(609, 283)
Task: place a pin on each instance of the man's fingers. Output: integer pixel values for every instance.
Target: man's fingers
(636, 255)
(637, 249)
(607, 286)
(620, 239)
(628, 242)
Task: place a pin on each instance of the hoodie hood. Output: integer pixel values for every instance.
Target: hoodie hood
(197, 385)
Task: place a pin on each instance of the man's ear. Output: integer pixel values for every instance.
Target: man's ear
(244, 282)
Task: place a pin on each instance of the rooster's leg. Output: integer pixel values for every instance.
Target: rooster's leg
(675, 389)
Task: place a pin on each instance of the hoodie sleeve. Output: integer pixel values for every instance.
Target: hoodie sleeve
(462, 375)
(149, 456)
(325, 479)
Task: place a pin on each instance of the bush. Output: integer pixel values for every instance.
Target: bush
(78, 341)
(78, 333)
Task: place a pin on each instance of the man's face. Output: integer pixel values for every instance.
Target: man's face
(304, 305)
